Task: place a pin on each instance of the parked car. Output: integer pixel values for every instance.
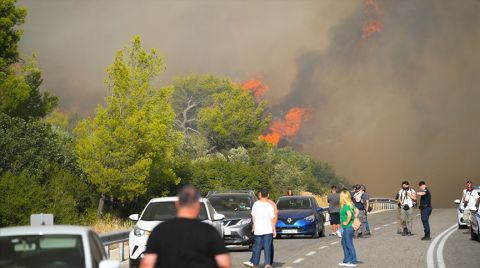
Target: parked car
(299, 215)
(460, 208)
(59, 246)
(237, 208)
(475, 226)
(157, 211)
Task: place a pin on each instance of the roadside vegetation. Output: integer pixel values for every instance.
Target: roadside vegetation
(148, 140)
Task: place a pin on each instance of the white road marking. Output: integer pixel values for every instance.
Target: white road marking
(323, 247)
(431, 248)
(333, 243)
(310, 253)
(386, 225)
(298, 260)
(378, 228)
(394, 222)
(440, 260)
(288, 267)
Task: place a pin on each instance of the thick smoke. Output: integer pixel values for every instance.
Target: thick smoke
(400, 104)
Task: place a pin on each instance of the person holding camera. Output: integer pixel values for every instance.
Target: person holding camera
(425, 208)
(407, 198)
(469, 200)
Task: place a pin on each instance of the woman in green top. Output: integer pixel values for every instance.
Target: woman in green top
(347, 214)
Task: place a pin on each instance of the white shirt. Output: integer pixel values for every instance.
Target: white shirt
(471, 197)
(405, 198)
(263, 214)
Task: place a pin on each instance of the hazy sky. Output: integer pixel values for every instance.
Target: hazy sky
(400, 104)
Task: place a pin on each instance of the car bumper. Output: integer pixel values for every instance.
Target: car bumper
(238, 235)
(460, 219)
(300, 227)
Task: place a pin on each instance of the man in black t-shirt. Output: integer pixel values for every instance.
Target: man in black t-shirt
(185, 242)
(425, 208)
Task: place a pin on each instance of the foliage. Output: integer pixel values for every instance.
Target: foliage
(129, 145)
(234, 119)
(10, 18)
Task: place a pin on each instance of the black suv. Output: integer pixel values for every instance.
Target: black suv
(236, 206)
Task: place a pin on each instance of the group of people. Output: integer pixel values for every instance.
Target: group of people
(407, 199)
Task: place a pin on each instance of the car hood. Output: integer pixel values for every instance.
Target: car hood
(294, 213)
(147, 225)
(232, 215)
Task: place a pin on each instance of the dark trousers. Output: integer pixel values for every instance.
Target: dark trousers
(265, 242)
(425, 215)
(272, 252)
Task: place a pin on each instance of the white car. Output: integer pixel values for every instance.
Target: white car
(475, 226)
(59, 246)
(157, 211)
(461, 207)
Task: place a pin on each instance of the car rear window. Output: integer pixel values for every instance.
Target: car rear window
(42, 251)
(231, 202)
(294, 203)
(162, 211)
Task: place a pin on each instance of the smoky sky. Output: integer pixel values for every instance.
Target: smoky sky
(400, 104)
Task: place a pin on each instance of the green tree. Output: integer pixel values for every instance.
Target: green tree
(234, 119)
(129, 145)
(11, 17)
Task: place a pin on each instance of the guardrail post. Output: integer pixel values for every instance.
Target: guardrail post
(107, 250)
(121, 250)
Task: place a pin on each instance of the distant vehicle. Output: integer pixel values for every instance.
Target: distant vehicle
(237, 208)
(475, 226)
(157, 211)
(460, 208)
(299, 215)
(59, 246)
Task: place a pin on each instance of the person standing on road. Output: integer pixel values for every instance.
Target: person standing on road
(359, 202)
(425, 208)
(368, 209)
(263, 217)
(334, 211)
(184, 241)
(407, 197)
(400, 225)
(469, 200)
(348, 213)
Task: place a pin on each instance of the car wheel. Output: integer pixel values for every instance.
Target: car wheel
(473, 235)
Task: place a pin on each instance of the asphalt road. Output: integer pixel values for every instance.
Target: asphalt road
(383, 249)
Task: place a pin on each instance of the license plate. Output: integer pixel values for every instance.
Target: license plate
(227, 232)
(290, 231)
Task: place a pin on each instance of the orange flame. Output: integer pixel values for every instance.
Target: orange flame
(257, 87)
(288, 126)
(374, 15)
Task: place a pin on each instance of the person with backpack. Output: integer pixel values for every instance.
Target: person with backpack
(407, 198)
(348, 213)
(358, 199)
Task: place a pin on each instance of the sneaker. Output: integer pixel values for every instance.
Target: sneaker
(426, 238)
(342, 264)
(409, 233)
(339, 234)
(268, 266)
(351, 265)
(248, 264)
(368, 233)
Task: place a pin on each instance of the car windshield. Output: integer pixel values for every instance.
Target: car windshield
(42, 251)
(294, 203)
(231, 202)
(162, 211)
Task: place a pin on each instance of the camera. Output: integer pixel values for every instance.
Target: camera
(406, 207)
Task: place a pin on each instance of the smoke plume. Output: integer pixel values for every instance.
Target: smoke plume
(392, 86)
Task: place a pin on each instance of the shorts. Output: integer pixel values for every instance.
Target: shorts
(335, 218)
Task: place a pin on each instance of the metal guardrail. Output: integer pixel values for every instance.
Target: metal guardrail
(115, 238)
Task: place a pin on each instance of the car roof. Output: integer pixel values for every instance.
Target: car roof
(295, 196)
(169, 199)
(45, 230)
(229, 194)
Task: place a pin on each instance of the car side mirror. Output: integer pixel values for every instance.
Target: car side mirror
(218, 217)
(457, 201)
(109, 264)
(134, 217)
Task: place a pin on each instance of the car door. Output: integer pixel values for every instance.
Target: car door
(97, 251)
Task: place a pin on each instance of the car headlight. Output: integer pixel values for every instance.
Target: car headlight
(310, 218)
(139, 232)
(245, 221)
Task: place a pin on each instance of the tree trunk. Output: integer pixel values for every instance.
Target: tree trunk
(101, 204)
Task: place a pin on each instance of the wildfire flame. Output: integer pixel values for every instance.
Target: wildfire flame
(374, 15)
(257, 87)
(288, 126)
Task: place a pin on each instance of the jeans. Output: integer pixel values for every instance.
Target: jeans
(425, 214)
(264, 241)
(350, 256)
(271, 256)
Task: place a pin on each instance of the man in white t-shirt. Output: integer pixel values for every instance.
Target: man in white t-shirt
(469, 200)
(406, 199)
(263, 216)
